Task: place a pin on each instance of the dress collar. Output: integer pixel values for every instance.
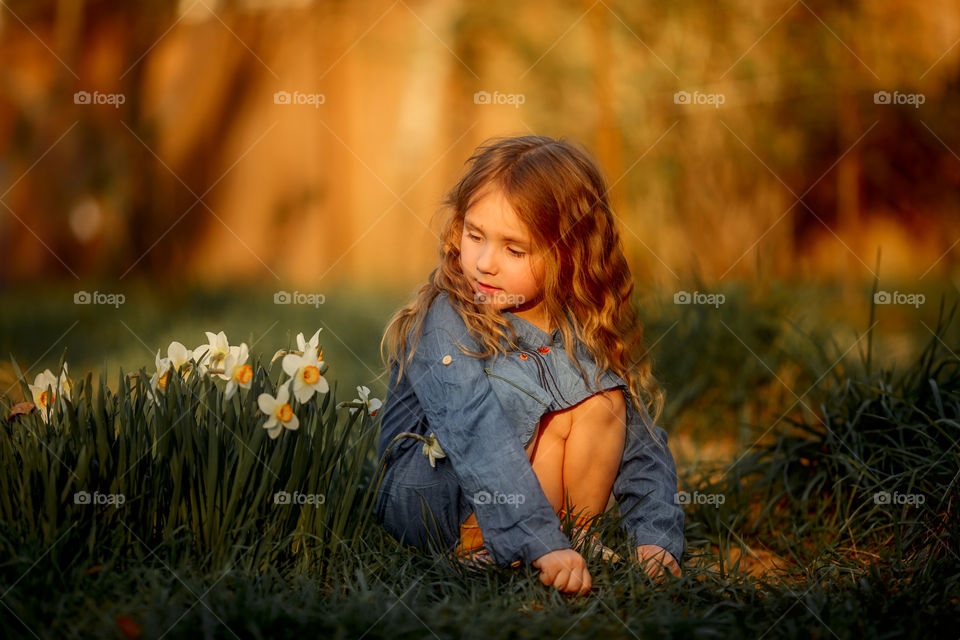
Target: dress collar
(530, 335)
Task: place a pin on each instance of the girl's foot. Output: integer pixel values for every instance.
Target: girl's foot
(470, 550)
(591, 546)
(588, 543)
(475, 559)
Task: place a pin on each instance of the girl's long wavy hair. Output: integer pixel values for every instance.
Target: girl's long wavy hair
(558, 192)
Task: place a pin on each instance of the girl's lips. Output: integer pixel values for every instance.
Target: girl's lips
(486, 289)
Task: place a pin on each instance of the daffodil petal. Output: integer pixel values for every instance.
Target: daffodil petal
(267, 403)
(291, 364)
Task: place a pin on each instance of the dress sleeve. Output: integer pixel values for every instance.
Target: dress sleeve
(646, 485)
(515, 517)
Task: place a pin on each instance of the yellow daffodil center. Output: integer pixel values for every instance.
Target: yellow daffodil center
(243, 374)
(310, 374)
(162, 382)
(46, 398)
(284, 413)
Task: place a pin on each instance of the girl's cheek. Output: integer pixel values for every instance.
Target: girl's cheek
(538, 271)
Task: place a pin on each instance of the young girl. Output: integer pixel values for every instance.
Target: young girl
(521, 364)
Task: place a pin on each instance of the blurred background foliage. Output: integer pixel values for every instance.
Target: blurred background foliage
(200, 176)
(194, 192)
(200, 196)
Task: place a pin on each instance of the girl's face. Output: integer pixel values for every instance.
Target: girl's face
(497, 258)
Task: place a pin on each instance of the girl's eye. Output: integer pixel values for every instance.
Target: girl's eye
(517, 254)
(473, 237)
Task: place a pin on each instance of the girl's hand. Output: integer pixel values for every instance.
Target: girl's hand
(566, 570)
(654, 559)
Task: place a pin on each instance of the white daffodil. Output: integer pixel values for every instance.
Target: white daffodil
(212, 354)
(302, 346)
(279, 413)
(305, 373)
(46, 389)
(432, 450)
(372, 405)
(179, 356)
(236, 371)
(161, 377)
(314, 342)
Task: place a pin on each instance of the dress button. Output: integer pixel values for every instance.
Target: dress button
(447, 359)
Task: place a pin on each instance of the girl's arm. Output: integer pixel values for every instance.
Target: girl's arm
(515, 517)
(646, 487)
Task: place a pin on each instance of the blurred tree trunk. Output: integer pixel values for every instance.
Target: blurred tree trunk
(848, 189)
(69, 23)
(607, 134)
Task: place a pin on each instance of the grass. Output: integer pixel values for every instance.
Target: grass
(800, 545)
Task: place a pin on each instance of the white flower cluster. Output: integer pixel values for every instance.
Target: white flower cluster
(218, 358)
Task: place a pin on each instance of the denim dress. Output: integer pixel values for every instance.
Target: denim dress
(484, 412)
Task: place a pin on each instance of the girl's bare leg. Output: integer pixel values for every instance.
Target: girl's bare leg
(546, 453)
(578, 451)
(593, 450)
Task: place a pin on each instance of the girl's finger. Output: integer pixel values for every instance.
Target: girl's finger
(572, 585)
(546, 578)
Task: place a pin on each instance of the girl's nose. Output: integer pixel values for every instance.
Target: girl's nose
(486, 261)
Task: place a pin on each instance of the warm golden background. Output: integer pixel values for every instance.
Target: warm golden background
(202, 194)
(200, 176)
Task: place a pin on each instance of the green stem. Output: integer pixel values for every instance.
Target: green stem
(405, 434)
